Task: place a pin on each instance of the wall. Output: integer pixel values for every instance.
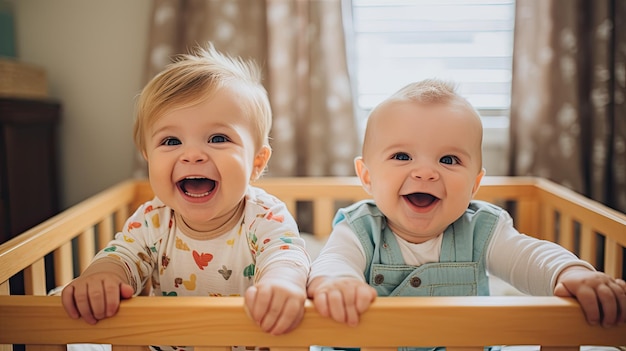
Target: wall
(93, 52)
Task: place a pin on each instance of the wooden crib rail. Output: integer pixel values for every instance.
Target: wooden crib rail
(104, 212)
(581, 224)
(540, 208)
(595, 232)
(460, 323)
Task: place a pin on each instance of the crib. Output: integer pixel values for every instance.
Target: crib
(70, 239)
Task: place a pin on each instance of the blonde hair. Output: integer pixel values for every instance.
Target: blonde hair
(432, 91)
(190, 79)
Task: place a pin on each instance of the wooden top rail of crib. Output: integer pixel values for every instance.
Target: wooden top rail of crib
(466, 323)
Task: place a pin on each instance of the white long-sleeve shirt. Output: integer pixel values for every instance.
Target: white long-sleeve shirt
(527, 263)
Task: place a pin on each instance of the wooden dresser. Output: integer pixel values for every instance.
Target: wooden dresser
(28, 164)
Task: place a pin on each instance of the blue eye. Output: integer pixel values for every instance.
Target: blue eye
(401, 156)
(170, 141)
(449, 160)
(218, 138)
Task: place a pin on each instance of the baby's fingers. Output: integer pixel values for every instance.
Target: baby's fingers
(67, 298)
(615, 309)
(77, 303)
(262, 307)
(350, 301)
(609, 304)
(273, 311)
(589, 302)
(365, 295)
(288, 318)
(337, 309)
(255, 307)
(621, 298)
(320, 301)
(112, 296)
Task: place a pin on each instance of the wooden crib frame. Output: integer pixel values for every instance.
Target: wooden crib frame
(539, 207)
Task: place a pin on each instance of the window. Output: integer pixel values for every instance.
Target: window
(467, 41)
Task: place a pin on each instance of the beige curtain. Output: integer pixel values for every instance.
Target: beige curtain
(300, 45)
(568, 116)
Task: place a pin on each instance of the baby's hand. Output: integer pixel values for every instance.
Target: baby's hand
(602, 298)
(276, 306)
(95, 296)
(342, 299)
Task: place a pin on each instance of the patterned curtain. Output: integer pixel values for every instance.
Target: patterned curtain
(568, 116)
(301, 47)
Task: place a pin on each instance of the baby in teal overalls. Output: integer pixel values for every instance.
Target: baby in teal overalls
(424, 235)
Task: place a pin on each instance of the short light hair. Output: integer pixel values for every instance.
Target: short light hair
(193, 77)
(432, 91)
(428, 90)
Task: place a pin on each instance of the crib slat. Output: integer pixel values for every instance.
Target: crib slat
(5, 289)
(548, 223)
(527, 217)
(63, 268)
(105, 232)
(566, 232)
(588, 244)
(612, 258)
(323, 213)
(120, 218)
(291, 205)
(35, 278)
(604, 219)
(86, 248)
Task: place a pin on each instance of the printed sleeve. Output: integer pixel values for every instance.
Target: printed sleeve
(274, 238)
(136, 246)
(529, 264)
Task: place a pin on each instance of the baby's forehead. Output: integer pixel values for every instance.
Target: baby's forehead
(402, 118)
(458, 109)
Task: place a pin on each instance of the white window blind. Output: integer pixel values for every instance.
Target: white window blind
(467, 41)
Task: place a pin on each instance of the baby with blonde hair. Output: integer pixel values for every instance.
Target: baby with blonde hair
(202, 125)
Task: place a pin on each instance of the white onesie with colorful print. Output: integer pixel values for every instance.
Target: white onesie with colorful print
(156, 243)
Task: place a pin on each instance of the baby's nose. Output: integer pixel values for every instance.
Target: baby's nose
(193, 155)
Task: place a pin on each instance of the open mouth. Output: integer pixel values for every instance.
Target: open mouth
(421, 199)
(196, 186)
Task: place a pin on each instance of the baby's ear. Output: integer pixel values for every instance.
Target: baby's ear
(260, 161)
(363, 173)
(479, 177)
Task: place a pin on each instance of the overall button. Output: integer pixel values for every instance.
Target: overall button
(415, 282)
(379, 279)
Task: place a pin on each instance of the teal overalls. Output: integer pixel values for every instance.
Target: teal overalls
(461, 268)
